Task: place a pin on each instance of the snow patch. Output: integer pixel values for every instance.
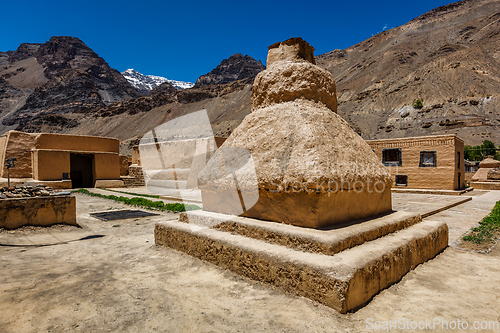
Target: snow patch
(149, 82)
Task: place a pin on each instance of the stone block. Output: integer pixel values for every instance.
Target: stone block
(109, 183)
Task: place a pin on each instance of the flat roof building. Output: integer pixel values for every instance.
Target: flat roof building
(427, 162)
(69, 161)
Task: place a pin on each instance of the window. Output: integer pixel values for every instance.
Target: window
(401, 180)
(458, 165)
(427, 159)
(391, 157)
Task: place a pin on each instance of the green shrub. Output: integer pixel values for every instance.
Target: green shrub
(418, 104)
(487, 229)
(143, 202)
(136, 194)
(478, 153)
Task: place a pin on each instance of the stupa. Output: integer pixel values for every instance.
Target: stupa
(312, 169)
(295, 198)
(488, 175)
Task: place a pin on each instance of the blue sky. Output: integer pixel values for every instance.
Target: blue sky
(182, 40)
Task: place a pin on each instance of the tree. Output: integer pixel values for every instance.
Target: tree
(488, 148)
(467, 152)
(473, 153)
(478, 153)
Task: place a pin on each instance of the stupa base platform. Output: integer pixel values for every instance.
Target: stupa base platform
(486, 185)
(342, 267)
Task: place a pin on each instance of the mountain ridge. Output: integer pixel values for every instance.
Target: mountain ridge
(447, 58)
(60, 76)
(146, 83)
(236, 67)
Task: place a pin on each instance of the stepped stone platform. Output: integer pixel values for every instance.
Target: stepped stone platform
(486, 185)
(342, 266)
(434, 192)
(135, 178)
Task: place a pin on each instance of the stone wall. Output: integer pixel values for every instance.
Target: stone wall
(18, 145)
(39, 211)
(107, 166)
(124, 165)
(50, 164)
(135, 177)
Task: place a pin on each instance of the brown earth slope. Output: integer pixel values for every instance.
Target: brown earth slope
(42, 83)
(447, 57)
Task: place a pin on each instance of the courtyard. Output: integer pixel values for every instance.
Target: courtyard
(108, 276)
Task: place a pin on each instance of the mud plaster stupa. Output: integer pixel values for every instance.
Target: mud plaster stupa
(488, 175)
(312, 169)
(299, 145)
(486, 166)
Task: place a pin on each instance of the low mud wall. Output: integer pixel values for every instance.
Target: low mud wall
(38, 211)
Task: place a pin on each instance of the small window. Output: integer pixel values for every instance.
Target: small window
(401, 180)
(458, 164)
(427, 159)
(391, 157)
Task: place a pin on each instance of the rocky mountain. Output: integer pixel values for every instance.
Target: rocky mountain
(448, 58)
(237, 67)
(226, 105)
(146, 83)
(62, 86)
(41, 83)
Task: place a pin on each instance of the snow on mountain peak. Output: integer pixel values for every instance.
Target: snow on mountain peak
(146, 83)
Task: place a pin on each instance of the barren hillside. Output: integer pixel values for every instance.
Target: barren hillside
(448, 58)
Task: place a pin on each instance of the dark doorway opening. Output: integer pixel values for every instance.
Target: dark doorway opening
(82, 170)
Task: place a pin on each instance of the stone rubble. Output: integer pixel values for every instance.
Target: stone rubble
(27, 191)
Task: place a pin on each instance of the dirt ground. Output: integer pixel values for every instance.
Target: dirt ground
(110, 277)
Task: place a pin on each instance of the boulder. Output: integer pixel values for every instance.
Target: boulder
(494, 174)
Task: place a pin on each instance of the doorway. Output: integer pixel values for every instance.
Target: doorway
(82, 170)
